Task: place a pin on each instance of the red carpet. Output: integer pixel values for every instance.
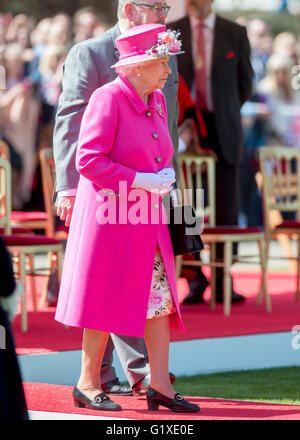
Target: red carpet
(57, 398)
(47, 335)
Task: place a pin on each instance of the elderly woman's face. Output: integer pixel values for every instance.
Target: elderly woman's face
(155, 73)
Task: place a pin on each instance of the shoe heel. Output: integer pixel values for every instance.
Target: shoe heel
(153, 405)
(78, 404)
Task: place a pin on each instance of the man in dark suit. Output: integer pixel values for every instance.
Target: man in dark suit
(216, 67)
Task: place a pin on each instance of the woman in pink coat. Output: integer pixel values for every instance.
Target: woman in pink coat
(119, 274)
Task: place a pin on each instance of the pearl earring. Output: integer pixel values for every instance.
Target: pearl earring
(138, 75)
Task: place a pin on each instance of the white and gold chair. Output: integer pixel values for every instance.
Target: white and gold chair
(280, 168)
(37, 220)
(48, 179)
(24, 247)
(194, 170)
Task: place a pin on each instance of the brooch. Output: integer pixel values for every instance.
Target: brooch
(160, 110)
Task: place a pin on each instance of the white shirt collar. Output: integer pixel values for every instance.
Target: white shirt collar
(121, 26)
(209, 21)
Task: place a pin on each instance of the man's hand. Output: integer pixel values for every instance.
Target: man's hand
(65, 207)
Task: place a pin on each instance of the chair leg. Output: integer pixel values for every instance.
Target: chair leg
(45, 283)
(178, 265)
(263, 286)
(265, 259)
(212, 303)
(227, 280)
(22, 274)
(59, 265)
(32, 281)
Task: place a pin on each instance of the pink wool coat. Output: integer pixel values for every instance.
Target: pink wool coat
(108, 265)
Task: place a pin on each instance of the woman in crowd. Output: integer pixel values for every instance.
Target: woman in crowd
(119, 275)
(19, 111)
(282, 99)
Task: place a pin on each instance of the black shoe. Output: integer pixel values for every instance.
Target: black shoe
(141, 387)
(197, 289)
(116, 388)
(194, 298)
(101, 402)
(178, 404)
(235, 298)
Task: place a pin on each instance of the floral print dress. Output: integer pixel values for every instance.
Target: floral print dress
(160, 301)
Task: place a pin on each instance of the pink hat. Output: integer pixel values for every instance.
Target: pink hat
(147, 43)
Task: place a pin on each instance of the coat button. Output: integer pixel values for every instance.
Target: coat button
(155, 135)
(148, 114)
(156, 205)
(158, 159)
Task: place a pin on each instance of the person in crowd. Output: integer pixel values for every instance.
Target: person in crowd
(85, 22)
(101, 26)
(60, 33)
(51, 72)
(254, 119)
(217, 69)
(16, 23)
(13, 406)
(282, 100)
(124, 140)
(285, 44)
(261, 47)
(87, 67)
(19, 119)
(39, 41)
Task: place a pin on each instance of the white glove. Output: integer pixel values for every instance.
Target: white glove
(153, 182)
(167, 172)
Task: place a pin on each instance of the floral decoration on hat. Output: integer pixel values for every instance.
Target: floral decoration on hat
(167, 44)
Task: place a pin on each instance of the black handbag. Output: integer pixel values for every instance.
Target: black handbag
(183, 229)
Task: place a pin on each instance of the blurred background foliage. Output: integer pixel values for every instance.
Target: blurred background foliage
(278, 21)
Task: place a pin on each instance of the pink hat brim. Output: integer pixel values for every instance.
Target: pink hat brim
(142, 58)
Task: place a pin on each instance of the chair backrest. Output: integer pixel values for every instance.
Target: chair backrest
(5, 195)
(198, 172)
(48, 179)
(4, 150)
(280, 168)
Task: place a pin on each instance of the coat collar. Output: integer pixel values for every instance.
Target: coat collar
(139, 105)
(115, 33)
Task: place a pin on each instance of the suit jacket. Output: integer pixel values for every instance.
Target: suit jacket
(231, 79)
(87, 67)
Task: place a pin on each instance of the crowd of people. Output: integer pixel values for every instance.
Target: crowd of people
(32, 55)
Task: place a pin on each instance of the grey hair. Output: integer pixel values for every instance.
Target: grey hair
(129, 68)
(124, 70)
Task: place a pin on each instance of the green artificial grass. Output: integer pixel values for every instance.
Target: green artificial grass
(273, 385)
